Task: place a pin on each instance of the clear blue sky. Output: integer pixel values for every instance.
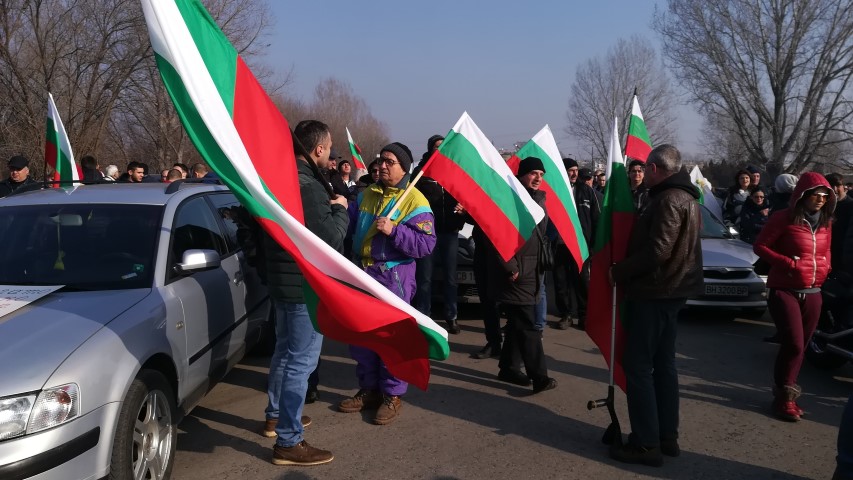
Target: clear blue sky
(419, 65)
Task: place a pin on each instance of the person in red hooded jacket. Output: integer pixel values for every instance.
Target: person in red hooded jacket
(795, 242)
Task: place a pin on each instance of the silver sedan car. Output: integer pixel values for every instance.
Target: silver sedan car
(155, 302)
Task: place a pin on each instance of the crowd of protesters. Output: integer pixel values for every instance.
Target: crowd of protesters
(800, 228)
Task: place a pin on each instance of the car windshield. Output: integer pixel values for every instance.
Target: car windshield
(84, 247)
(712, 227)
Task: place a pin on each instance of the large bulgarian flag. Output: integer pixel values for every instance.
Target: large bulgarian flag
(638, 145)
(355, 152)
(469, 167)
(559, 199)
(57, 149)
(247, 142)
(611, 244)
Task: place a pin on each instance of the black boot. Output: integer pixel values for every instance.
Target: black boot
(453, 326)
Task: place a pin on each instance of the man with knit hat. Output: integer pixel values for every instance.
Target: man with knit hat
(520, 285)
(19, 176)
(386, 247)
(449, 219)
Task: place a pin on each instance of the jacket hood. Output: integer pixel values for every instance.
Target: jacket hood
(680, 180)
(810, 181)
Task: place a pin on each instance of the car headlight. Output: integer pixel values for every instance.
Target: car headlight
(34, 413)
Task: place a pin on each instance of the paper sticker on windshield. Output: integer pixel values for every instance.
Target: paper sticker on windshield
(129, 275)
(138, 267)
(14, 297)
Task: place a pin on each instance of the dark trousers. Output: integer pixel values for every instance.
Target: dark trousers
(314, 378)
(649, 364)
(488, 292)
(445, 254)
(796, 317)
(422, 299)
(570, 285)
(523, 343)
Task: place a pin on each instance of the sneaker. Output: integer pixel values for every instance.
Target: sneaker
(312, 395)
(546, 384)
(300, 454)
(633, 454)
(489, 351)
(363, 400)
(670, 447)
(514, 377)
(270, 423)
(389, 410)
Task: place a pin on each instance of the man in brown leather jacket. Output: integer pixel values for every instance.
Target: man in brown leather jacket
(663, 267)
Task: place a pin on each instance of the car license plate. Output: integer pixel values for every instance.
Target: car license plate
(727, 290)
(465, 277)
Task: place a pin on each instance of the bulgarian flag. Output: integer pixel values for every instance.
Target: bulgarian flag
(247, 142)
(355, 152)
(57, 149)
(559, 200)
(638, 145)
(469, 167)
(611, 244)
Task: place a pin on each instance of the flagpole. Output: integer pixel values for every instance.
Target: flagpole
(626, 122)
(405, 194)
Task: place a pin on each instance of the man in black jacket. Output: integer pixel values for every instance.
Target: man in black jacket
(19, 176)
(297, 348)
(662, 268)
(570, 282)
(449, 219)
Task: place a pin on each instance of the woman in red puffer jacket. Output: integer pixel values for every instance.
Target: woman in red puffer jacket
(795, 242)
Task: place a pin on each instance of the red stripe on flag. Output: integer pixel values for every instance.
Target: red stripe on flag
(562, 222)
(266, 135)
(351, 316)
(358, 163)
(513, 163)
(637, 148)
(454, 179)
(50, 154)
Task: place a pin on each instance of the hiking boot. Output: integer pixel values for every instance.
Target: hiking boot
(581, 325)
(489, 351)
(564, 323)
(312, 395)
(545, 384)
(389, 410)
(270, 423)
(300, 454)
(669, 447)
(641, 455)
(363, 400)
(453, 326)
(784, 403)
(514, 377)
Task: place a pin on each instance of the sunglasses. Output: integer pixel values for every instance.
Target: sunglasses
(822, 196)
(388, 161)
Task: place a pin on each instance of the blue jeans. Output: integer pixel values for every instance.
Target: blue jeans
(297, 350)
(541, 305)
(445, 254)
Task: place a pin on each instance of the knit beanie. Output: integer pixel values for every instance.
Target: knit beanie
(431, 143)
(528, 165)
(569, 163)
(402, 152)
(785, 183)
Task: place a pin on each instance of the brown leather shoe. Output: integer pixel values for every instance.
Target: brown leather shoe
(300, 454)
(363, 400)
(389, 410)
(270, 423)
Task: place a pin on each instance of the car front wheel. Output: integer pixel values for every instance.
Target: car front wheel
(144, 446)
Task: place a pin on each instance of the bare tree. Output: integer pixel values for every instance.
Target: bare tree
(773, 73)
(604, 87)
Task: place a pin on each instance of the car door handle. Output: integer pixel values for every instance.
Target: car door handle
(238, 278)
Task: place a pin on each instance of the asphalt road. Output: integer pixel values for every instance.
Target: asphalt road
(469, 425)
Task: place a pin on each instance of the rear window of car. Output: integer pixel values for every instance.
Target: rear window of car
(84, 247)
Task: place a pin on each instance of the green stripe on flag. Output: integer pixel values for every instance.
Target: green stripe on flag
(637, 128)
(218, 54)
(462, 152)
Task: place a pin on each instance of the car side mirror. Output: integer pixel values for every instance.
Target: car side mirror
(197, 260)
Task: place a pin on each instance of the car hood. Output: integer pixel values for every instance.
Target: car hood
(37, 338)
(724, 252)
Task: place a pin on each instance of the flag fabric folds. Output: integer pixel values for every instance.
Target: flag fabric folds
(355, 152)
(610, 246)
(57, 149)
(247, 143)
(559, 199)
(469, 167)
(638, 145)
(706, 194)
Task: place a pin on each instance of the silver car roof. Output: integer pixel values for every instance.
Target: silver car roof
(111, 193)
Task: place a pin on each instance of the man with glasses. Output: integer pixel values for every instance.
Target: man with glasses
(639, 190)
(385, 245)
(19, 176)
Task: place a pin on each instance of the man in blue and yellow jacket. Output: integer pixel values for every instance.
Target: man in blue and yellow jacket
(386, 248)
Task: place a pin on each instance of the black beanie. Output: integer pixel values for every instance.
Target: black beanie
(402, 152)
(528, 165)
(431, 142)
(569, 163)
